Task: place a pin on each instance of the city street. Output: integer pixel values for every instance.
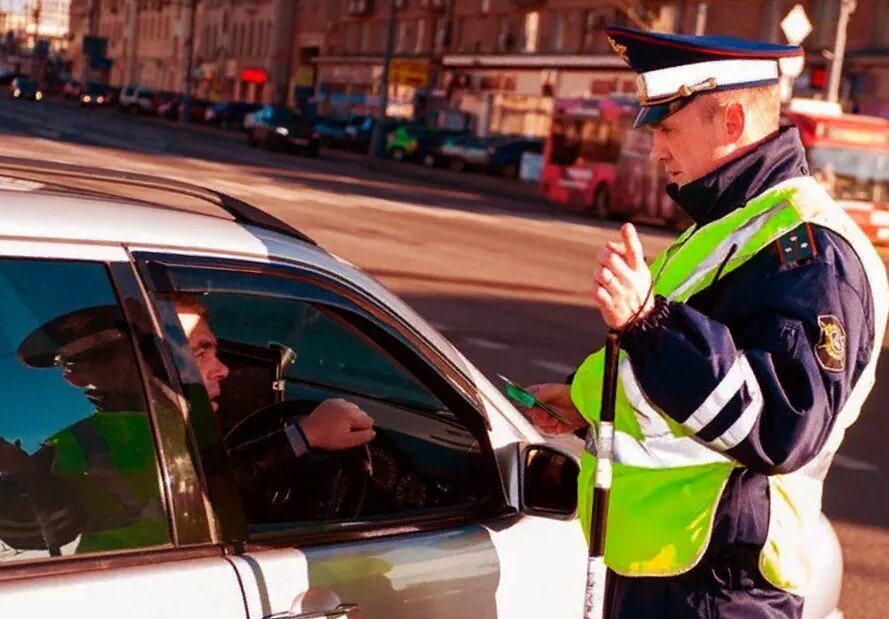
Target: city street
(507, 280)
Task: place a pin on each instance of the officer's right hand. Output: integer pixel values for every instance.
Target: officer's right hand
(337, 424)
(558, 396)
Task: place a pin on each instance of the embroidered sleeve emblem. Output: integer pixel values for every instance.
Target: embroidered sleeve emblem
(831, 349)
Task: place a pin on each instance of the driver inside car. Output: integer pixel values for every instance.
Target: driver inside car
(334, 425)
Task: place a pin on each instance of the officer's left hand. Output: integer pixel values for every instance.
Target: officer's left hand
(623, 280)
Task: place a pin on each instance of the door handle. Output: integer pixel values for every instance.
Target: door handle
(343, 611)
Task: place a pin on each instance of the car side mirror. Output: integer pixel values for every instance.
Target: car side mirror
(548, 482)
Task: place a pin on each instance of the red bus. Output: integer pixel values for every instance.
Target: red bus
(849, 155)
(596, 162)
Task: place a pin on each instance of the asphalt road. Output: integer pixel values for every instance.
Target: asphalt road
(506, 279)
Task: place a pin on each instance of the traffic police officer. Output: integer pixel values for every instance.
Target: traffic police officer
(748, 346)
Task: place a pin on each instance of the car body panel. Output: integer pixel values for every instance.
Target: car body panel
(192, 588)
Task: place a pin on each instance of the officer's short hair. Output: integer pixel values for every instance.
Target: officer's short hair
(760, 102)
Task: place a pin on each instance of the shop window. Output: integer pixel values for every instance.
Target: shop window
(556, 32)
(825, 20)
(365, 37)
(420, 46)
(881, 24)
(594, 23)
(401, 36)
(531, 33)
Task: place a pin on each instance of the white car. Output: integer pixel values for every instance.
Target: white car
(458, 508)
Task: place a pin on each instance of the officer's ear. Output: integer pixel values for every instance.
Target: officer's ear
(734, 122)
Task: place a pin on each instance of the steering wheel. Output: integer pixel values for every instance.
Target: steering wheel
(319, 485)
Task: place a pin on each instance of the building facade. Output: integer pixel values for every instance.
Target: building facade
(244, 49)
(497, 64)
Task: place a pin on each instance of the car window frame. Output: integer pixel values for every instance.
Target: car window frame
(157, 272)
(186, 541)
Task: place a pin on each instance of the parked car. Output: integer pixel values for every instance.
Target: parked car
(72, 89)
(24, 88)
(467, 151)
(95, 94)
(417, 142)
(457, 508)
(404, 142)
(359, 132)
(277, 127)
(136, 100)
(332, 131)
(430, 149)
(114, 94)
(197, 108)
(229, 115)
(6, 77)
(169, 109)
(505, 158)
(159, 99)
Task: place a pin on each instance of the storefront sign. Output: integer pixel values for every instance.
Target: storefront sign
(350, 74)
(254, 76)
(497, 81)
(304, 76)
(409, 73)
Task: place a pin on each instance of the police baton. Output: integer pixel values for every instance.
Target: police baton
(594, 598)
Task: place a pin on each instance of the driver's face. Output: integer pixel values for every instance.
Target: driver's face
(204, 347)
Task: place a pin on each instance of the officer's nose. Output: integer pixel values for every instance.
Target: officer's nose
(659, 151)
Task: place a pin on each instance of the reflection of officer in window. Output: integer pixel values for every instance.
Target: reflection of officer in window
(334, 425)
(93, 485)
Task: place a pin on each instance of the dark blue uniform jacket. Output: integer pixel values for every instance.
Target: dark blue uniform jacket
(768, 309)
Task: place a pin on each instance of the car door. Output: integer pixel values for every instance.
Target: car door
(101, 508)
(437, 531)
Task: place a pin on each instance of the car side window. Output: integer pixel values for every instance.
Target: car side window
(78, 465)
(300, 370)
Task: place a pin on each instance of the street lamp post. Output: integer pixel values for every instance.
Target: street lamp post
(847, 7)
(377, 143)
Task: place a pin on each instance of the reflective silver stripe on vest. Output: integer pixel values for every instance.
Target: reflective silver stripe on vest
(739, 238)
(659, 448)
(743, 424)
(660, 453)
(739, 375)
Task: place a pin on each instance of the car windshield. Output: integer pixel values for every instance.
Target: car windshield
(97, 89)
(852, 174)
(27, 84)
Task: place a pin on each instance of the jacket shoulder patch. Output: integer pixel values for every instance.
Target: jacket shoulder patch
(797, 247)
(831, 348)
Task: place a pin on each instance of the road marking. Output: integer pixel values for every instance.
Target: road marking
(555, 366)
(853, 464)
(486, 344)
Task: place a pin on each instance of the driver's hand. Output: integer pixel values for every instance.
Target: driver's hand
(558, 396)
(336, 425)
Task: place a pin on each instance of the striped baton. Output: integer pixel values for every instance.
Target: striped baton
(594, 599)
